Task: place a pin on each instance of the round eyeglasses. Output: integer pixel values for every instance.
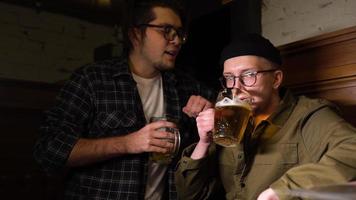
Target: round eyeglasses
(247, 79)
(169, 32)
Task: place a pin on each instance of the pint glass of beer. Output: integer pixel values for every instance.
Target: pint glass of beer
(166, 158)
(232, 116)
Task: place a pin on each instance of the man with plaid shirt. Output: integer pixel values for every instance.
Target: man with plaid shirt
(99, 128)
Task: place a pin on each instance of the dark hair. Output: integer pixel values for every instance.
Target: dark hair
(136, 12)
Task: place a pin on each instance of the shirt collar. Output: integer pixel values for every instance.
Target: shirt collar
(122, 69)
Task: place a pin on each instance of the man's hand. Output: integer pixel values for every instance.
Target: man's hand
(150, 139)
(147, 139)
(268, 194)
(205, 124)
(195, 105)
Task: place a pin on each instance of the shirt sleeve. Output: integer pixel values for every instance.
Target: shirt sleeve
(63, 124)
(196, 179)
(331, 144)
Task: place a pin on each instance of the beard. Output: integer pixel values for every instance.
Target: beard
(161, 66)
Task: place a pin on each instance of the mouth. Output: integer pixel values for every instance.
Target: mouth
(248, 99)
(172, 53)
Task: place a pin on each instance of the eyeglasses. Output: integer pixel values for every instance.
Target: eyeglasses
(247, 79)
(170, 32)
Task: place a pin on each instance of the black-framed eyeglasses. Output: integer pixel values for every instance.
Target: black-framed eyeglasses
(170, 32)
(247, 79)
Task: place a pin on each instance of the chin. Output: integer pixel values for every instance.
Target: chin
(253, 109)
(165, 66)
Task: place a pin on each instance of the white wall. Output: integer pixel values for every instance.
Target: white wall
(285, 21)
(47, 47)
(43, 46)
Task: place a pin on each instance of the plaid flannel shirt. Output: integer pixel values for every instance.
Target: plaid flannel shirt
(101, 100)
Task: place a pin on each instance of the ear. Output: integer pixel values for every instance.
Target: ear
(135, 37)
(278, 78)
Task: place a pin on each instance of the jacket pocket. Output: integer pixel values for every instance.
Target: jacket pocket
(282, 155)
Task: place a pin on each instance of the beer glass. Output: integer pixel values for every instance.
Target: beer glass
(232, 116)
(166, 158)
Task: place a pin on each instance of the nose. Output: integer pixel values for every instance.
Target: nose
(238, 84)
(176, 40)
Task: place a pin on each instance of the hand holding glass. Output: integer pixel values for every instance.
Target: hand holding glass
(166, 158)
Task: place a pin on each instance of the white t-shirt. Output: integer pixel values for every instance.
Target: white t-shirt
(151, 93)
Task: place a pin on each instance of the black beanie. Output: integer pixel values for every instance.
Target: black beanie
(251, 44)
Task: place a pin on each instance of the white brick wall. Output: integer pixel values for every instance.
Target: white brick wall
(44, 46)
(285, 21)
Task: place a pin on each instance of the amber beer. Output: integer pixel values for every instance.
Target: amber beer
(231, 119)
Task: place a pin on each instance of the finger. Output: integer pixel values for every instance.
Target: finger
(205, 121)
(201, 104)
(205, 124)
(186, 111)
(162, 124)
(191, 104)
(197, 105)
(190, 113)
(207, 105)
(161, 145)
(209, 113)
(157, 149)
(164, 135)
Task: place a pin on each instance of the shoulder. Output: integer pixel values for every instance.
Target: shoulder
(99, 71)
(316, 113)
(96, 73)
(307, 105)
(105, 67)
(303, 108)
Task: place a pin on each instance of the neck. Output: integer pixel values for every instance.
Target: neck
(140, 67)
(270, 108)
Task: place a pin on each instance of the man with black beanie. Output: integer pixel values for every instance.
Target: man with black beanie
(296, 142)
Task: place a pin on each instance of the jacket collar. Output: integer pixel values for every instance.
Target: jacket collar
(275, 122)
(285, 108)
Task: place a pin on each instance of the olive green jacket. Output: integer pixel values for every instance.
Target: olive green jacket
(303, 144)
